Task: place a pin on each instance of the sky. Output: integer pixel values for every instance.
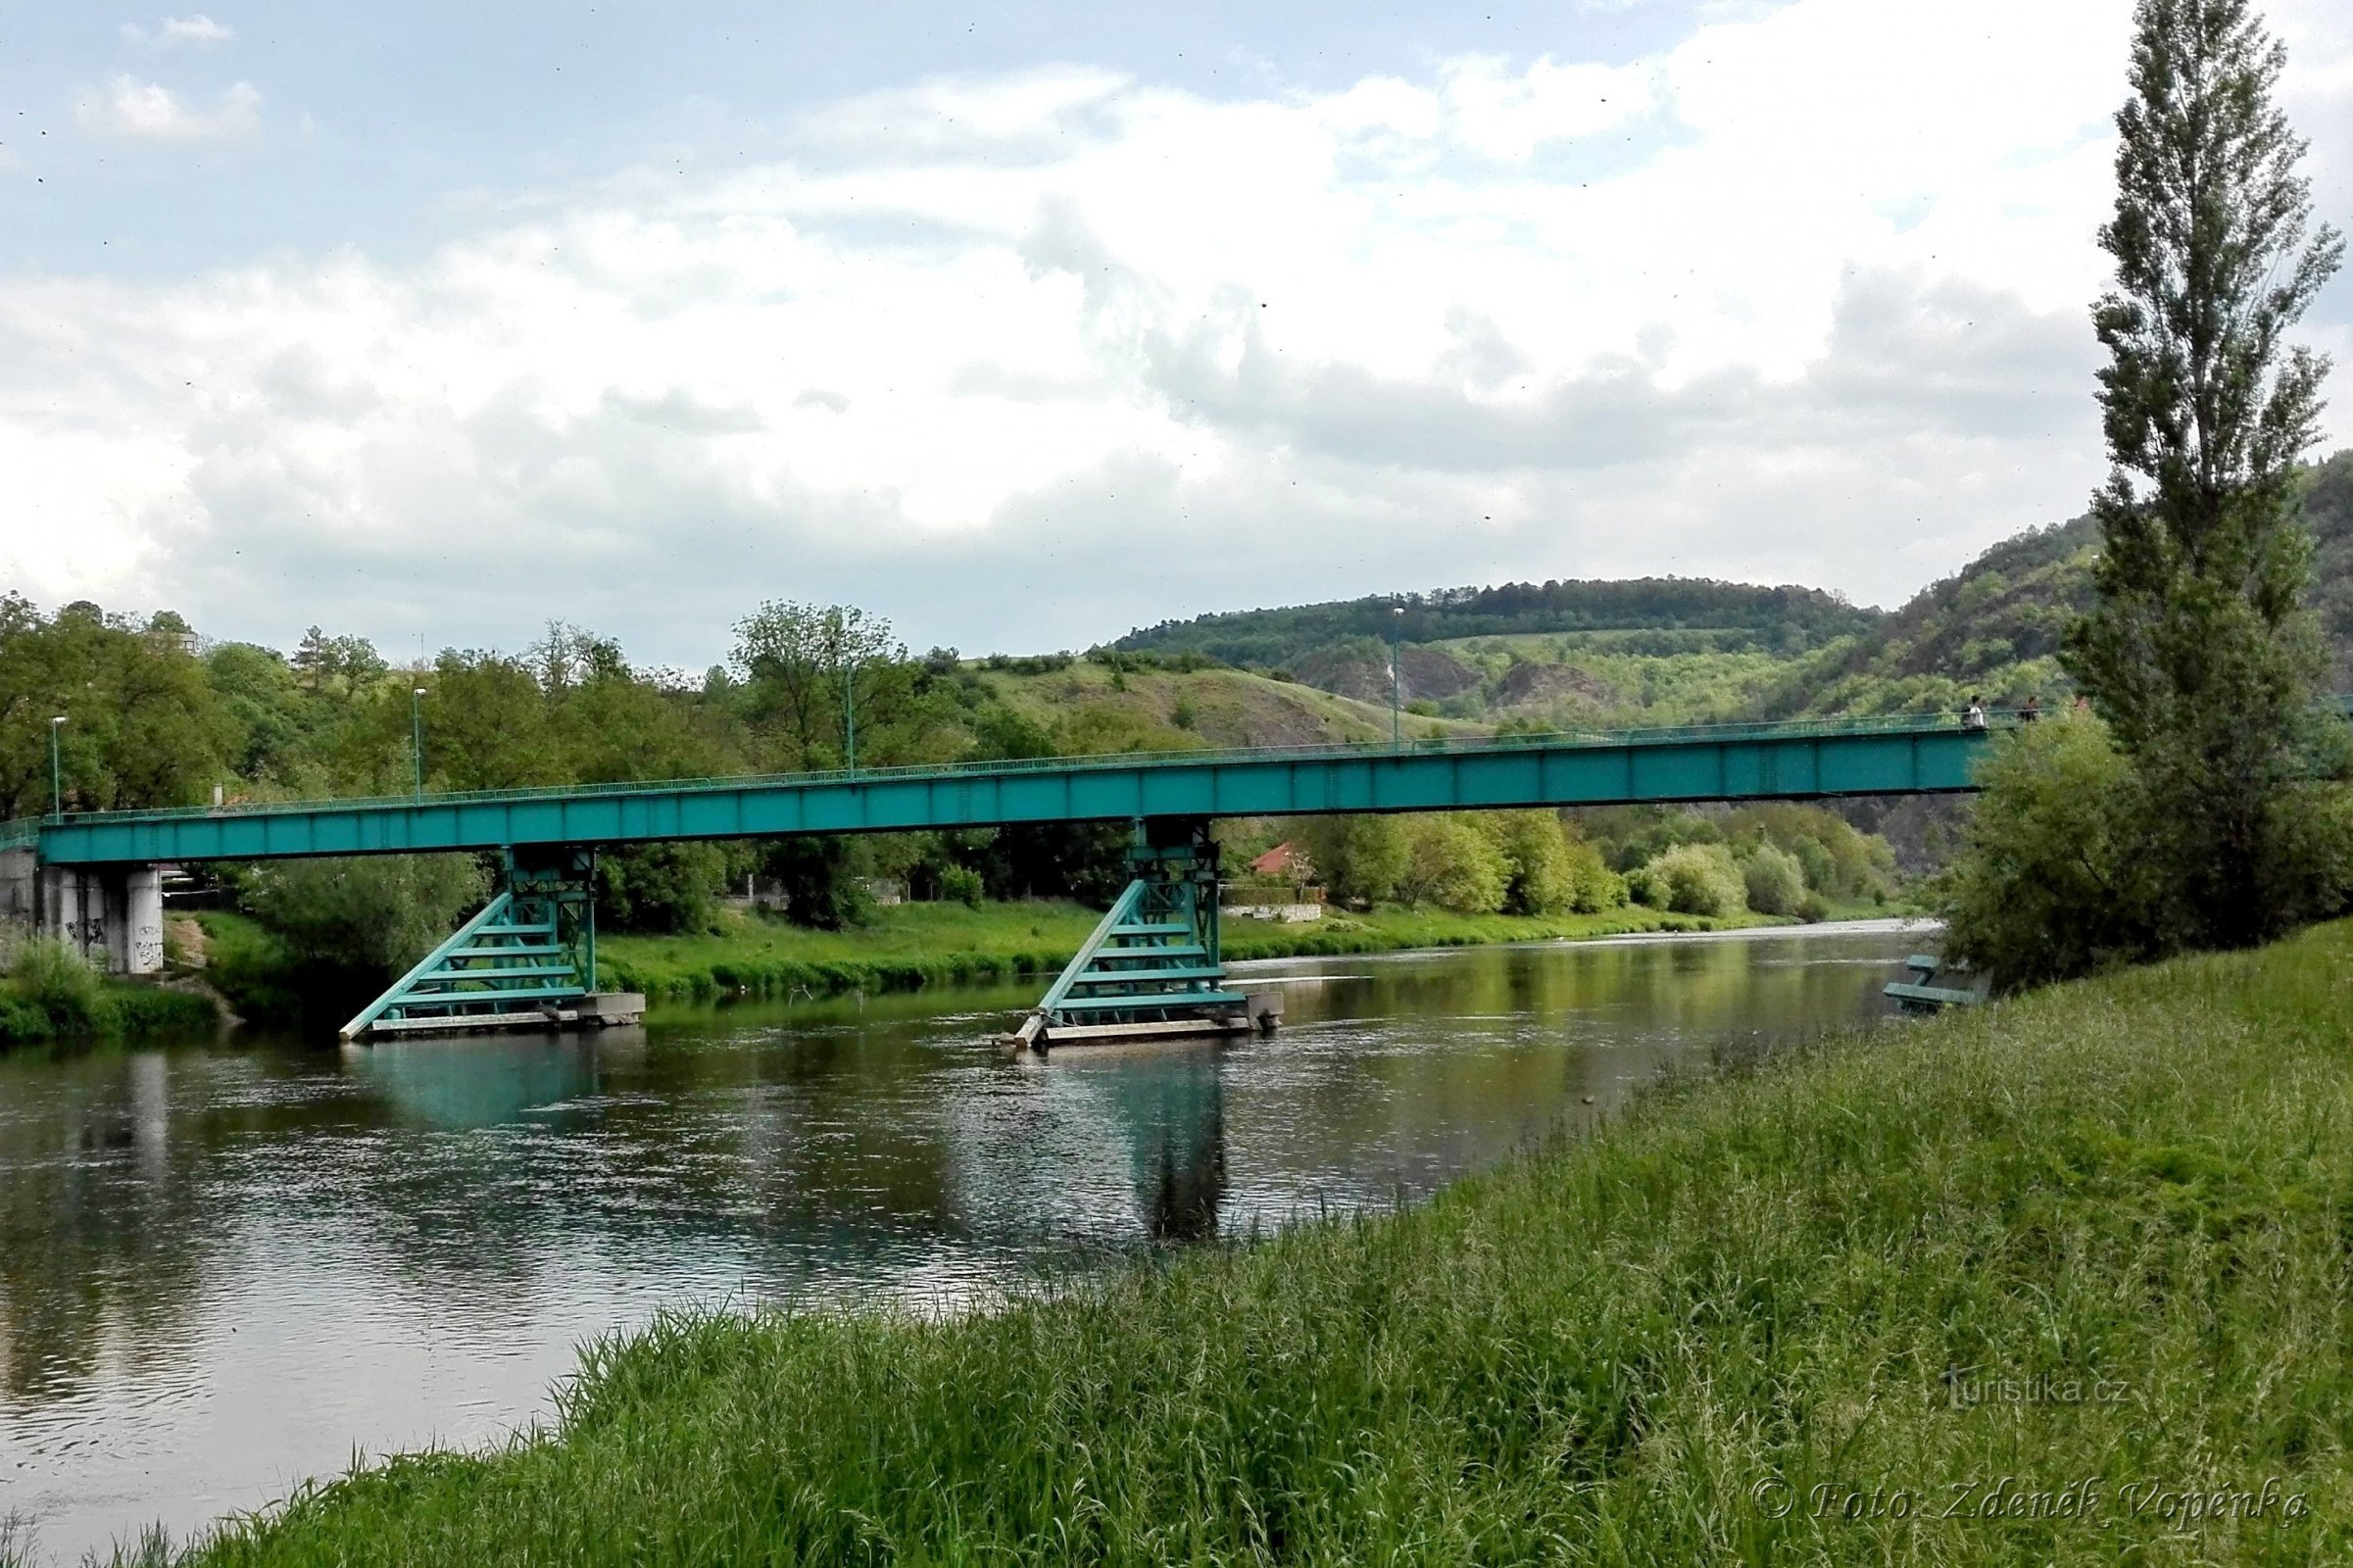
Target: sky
(1022, 326)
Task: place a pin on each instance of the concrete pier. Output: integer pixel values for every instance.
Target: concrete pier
(114, 914)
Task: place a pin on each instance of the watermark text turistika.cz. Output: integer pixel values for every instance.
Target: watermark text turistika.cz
(2093, 1499)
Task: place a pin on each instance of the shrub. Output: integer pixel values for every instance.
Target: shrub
(53, 980)
(1362, 860)
(1771, 880)
(962, 885)
(660, 886)
(1696, 879)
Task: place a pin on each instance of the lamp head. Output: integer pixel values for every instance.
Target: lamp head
(416, 691)
(60, 719)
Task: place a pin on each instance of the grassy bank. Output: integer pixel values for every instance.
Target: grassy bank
(910, 946)
(51, 996)
(2029, 1283)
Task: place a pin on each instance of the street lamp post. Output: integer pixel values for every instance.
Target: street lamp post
(850, 715)
(417, 736)
(1397, 725)
(56, 775)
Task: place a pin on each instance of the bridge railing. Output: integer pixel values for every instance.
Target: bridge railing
(25, 830)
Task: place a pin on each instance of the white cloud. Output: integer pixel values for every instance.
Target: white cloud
(199, 29)
(149, 111)
(1022, 361)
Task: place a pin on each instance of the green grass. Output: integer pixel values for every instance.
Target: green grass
(252, 966)
(1764, 1318)
(119, 1009)
(906, 946)
(910, 946)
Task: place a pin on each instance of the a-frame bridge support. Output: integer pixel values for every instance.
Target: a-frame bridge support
(1152, 966)
(527, 960)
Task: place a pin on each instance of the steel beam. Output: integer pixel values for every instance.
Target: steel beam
(1751, 762)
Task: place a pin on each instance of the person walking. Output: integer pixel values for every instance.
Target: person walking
(2033, 709)
(1973, 715)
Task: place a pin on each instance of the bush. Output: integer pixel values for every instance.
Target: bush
(1696, 879)
(2049, 882)
(960, 885)
(1771, 880)
(660, 886)
(53, 980)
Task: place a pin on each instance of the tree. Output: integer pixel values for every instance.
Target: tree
(371, 916)
(1453, 864)
(1543, 874)
(1774, 881)
(796, 664)
(1362, 860)
(1691, 879)
(2197, 649)
(2052, 881)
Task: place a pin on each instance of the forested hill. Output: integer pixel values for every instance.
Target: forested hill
(1671, 650)
(1995, 627)
(1740, 617)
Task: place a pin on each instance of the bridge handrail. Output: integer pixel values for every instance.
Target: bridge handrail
(26, 829)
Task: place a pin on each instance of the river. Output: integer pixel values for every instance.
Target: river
(223, 1270)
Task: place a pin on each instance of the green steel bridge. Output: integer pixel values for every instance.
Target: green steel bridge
(1154, 961)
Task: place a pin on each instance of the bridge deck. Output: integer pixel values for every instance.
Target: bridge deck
(1908, 754)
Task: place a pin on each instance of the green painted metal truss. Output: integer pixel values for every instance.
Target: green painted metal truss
(1911, 754)
(529, 952)
(1155, 956)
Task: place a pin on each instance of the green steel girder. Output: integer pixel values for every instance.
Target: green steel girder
(532, 946)
(1122, 974)
(1748, 762)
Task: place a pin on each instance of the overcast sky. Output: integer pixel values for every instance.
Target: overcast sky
(1026, 325)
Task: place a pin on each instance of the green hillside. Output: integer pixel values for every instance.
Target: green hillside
(1093, 705)
(1787, 621)
(1995, 627)
(1675, 651)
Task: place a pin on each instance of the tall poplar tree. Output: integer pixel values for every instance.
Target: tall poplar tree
(2198, 651)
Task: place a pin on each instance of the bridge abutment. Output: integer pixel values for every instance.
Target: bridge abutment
(112, 915)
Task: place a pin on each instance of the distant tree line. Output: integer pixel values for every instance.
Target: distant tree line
(1784, 619)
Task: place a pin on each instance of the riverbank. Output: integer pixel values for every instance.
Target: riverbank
(910, 946)
(58, 1000)
(2056, 1280)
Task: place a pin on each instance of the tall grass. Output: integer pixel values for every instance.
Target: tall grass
(2098, 1238)
(48, 974)
(51, 993)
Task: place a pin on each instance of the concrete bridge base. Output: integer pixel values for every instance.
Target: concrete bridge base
(114, 914)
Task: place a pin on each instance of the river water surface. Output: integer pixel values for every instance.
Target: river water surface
(223, 1270)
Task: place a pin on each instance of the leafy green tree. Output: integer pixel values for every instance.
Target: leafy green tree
(1691, 879)
(2198, 651)
(799, 665)
(1453, 864)
(2052, 881)
(1773, 881)
(660, 886)
(1362, 860)
(142, 728)
(1541, 873)
(370, 916)
(264, 699)
(487, 724)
